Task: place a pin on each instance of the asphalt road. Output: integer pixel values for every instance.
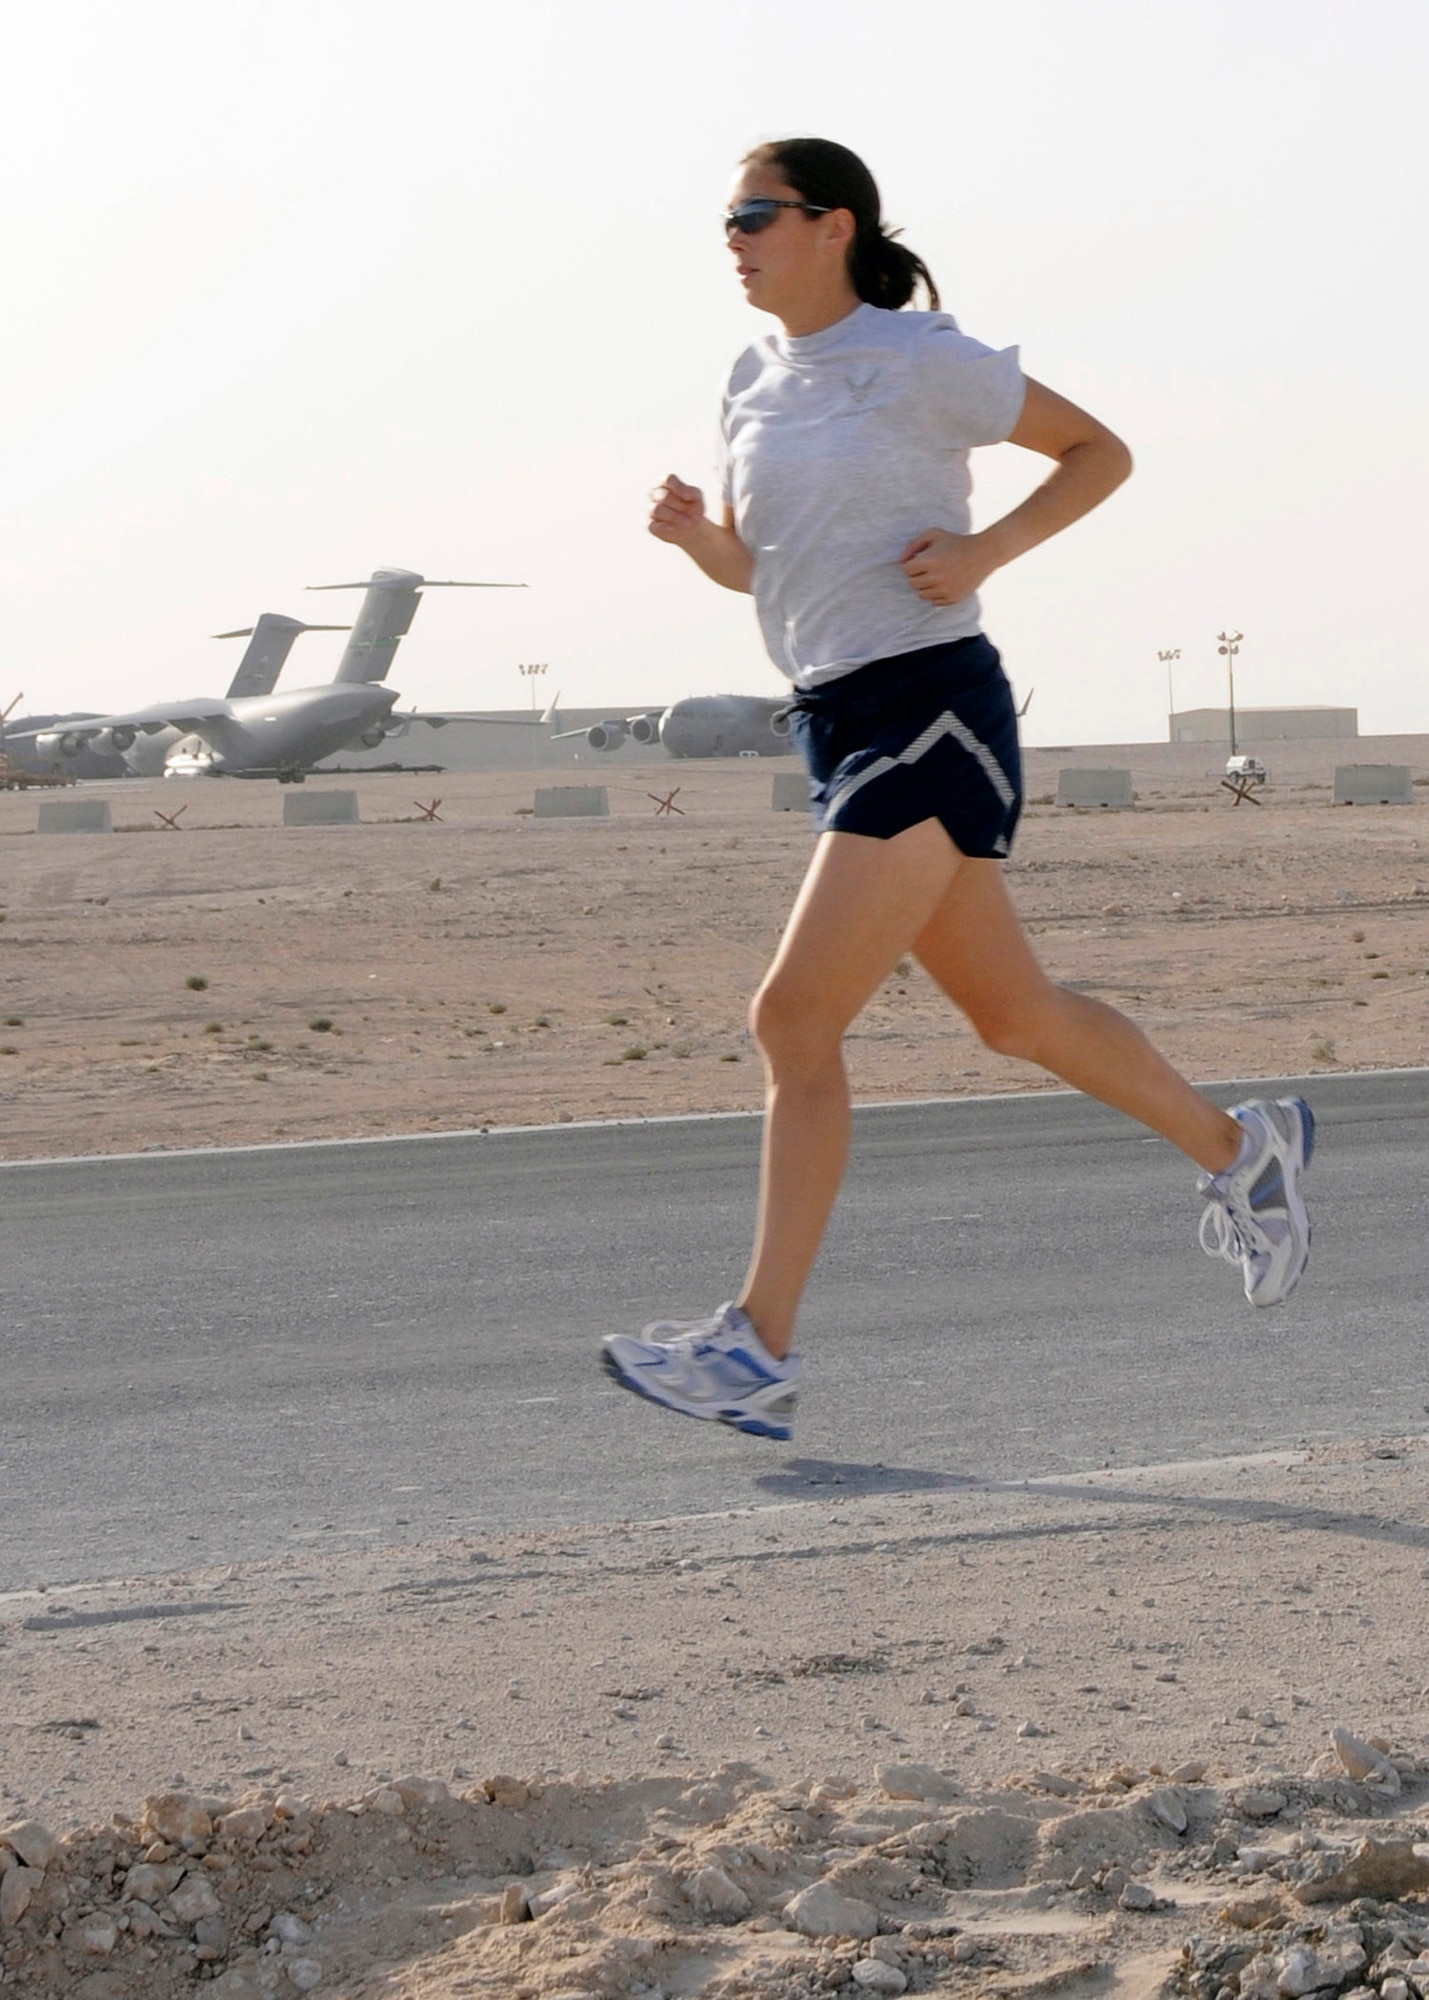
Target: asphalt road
(220, 1356)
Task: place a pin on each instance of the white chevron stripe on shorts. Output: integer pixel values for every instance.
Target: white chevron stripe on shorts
(947, 724)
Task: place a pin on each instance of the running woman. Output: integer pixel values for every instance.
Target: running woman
(846, 439)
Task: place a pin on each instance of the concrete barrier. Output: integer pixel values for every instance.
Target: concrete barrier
(573, 802)
(1092, 787)
(790, 793)
(320, 809)
(75, 816)
(1373, 785)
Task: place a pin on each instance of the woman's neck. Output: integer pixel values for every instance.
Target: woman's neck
(817, 315)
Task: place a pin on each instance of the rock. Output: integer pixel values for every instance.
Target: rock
(420, 1791)
(1387, 1870)
(387, 1799)
(715, 1894)
(1056, 1784)
(211, 1937)
(1166, 1805)
(1303, 1969)
(32, 1840)
(247, 1824)
(147, 1881)
(96, 1934)
(1137, 1896)
(1260, 1802)
(1189, 1773)
(195, 1897)
(1248, 1913)
(305, 1973)
(290, 1930)
(1363, 1761)
(552, 1898)
(915, 1781)
(820, 1911)
(1031, 1729)
(101, 1986)
(1258, 1978)
(873, 1975)
(240, 1982)
(1394, 1988)
(18, 1889)
(506, 1791)
(965, 1949)
(514, 1907)
(178, 1819)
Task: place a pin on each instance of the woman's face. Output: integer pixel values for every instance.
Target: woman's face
(797, 259)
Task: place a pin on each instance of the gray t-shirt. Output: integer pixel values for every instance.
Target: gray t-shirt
(838, 448)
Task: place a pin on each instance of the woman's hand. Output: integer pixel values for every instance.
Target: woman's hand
(678, 515)
(678, 511)
(944, 568)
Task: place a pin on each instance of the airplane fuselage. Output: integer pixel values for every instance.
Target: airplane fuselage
(280, 732)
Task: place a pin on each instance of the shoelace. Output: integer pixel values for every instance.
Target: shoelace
(1230, 1230)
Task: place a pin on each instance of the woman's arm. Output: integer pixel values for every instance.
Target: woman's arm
(679, 516)
(1091, 462)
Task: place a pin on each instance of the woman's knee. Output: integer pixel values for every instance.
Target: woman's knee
(1020, 1024)
(790, 1026)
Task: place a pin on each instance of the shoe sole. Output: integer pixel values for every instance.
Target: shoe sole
(751, 1426)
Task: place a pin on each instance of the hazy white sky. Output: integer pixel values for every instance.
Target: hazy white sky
(307, 287)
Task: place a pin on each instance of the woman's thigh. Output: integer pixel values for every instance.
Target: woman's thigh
(974, 946)
(862, 904)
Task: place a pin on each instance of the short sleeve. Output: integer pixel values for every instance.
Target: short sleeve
(972, 392)
(744, 371)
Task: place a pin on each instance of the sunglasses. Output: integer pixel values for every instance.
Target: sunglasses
(749, 217)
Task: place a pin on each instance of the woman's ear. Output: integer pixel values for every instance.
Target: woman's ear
(840, 228)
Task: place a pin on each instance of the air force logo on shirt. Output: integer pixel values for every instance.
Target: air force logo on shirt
(860, 385)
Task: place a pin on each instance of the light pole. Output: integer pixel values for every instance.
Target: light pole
(1166, 658)
(1228, 648)
(529, 675)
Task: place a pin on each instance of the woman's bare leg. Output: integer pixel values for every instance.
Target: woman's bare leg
(975, 948)
(862, 904)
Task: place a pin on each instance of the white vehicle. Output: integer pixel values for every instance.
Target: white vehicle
(1246, 770)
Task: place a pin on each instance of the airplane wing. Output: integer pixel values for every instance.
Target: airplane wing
(184, 715)
(440, 720)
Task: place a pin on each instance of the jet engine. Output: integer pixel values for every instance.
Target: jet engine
(645, 728)
(606, 735)
(371, 739)
(113, 742)
(59, 743)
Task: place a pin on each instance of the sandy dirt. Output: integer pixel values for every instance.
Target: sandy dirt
(239, 982)
(1066, 1737)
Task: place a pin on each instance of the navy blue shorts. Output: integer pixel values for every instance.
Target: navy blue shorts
(925, 735)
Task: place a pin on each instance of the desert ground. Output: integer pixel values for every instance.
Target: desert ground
(1072, 1736)
(239, 982)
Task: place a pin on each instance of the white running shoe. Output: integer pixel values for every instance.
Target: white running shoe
(717, 1368)
(1255, 1216)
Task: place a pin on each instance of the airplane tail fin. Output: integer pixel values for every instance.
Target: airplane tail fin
(386, 616)
(270, 642)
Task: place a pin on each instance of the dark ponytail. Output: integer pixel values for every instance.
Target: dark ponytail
(884, 272)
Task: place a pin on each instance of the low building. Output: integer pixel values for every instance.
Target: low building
(1263, 725)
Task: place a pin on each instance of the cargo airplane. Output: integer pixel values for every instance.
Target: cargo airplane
(257, 732)
(706, 725)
